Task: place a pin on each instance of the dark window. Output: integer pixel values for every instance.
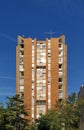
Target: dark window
(60, 40)
(22, 52)
(41, 67)
(60, 100)
(22, 41)
(60, 45)
(22, 45)
(60, 79)
(40, 102)
(60, 86)
(60, 66)
(22, 73)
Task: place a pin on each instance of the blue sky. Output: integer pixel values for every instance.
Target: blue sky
(32, 18)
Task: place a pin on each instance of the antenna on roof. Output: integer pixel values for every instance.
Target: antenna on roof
(50, 33)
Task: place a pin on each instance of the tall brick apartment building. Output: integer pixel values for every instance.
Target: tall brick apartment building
(41, 73)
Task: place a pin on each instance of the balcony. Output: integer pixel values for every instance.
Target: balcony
(21, 68)
(41, 98)
(60, 60)
(21, 61)
(60, 95)
(21, 81)
(60, 74)
(60, 47)
(21, 90)
(21, 56)
(61, 83)
(21, 49)
(22, 74)
(60, 53)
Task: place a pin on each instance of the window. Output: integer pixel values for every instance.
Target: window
(32, 80)
(49, 94)
(48, 45)
(49, 79)
(38, 46)
(60, 73)
(22, 45)
(32, 43)
(49, 59)
(59, 45)
(40, 102)
(44, 70)
(32, 57)
(21, 81)
(32, 71)
(49, 74)
(60, 94)
(21, 67)
(60, 53)
(44, 81)
(44, 46)
(43, 87)
(43, 60)
(60, 66)
(32, 51)
(60, 100)
(32, 99)
(49, 66)
(60, 86)
(32, 65)
(43, 54)
(21, 60)
(21, 88)
(49, 86)
(49, 100)
(60, 60)
(21, 52)
(60, 79)
(49, 55)
(32, 77)
(32, 86)
(22, 41)
(49, 51)
(60, 40)
(21, 74)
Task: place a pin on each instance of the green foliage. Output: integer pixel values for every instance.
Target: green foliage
(11, 117)
(65, 116)
(50, 121)
(70, 112)
(33, 127)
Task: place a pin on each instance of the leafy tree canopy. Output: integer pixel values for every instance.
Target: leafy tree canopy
(66, 115)
(12, 117)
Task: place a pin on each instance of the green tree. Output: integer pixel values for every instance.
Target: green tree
(33, 126)
(16, 110)
(66, 115)
(69, 112)
(2, 118)
(50, 121)
(12, 117)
